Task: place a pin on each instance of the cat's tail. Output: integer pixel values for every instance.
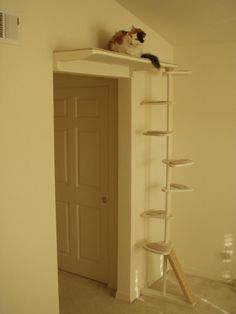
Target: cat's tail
(155, 61)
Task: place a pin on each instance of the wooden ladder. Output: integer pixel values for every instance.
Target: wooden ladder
(187, 291)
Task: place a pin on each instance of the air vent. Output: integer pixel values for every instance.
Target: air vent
(9, 27)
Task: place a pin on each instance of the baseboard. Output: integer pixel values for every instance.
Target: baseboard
(198, 273)
(123, 296)
(187, 270)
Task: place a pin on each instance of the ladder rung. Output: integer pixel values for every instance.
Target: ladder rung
(158, 133)
(157, 102)
(155, 213)
(176, 187)
(161, 248)
(178, 162)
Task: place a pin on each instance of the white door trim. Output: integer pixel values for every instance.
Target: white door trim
(124, 254)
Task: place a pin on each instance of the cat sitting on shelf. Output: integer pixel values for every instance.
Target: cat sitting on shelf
(131, 43)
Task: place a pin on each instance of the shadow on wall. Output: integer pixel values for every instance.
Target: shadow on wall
(101, 36)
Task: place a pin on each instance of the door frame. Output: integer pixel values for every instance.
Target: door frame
(124, 256)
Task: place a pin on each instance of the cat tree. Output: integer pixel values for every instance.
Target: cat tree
(165, 247)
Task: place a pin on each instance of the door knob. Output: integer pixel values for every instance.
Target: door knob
(104, 199)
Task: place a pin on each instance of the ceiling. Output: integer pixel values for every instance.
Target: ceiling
(187, 21)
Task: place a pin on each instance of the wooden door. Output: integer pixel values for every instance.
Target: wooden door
(82, 175)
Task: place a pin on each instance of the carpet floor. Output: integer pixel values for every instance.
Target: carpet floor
(79, 295)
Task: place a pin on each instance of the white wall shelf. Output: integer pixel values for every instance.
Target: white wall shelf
(157, 102)
(158, 133)
(70, 60)
(176, 187)
(178, 162)
(163, 248)
(155, 213)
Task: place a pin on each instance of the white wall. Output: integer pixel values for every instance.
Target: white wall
(27, 200)
(204, 120)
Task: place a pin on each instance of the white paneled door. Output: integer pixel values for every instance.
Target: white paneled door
(82, 179)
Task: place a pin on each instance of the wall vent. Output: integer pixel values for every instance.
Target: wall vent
(9, 27)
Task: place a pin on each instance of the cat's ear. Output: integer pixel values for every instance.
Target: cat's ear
(133, 28)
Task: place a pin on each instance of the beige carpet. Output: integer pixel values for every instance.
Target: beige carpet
(83, 296)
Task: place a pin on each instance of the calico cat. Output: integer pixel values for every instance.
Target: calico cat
(131, 43)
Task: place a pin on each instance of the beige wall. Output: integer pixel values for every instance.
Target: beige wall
(27, 217)
(204, 120)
